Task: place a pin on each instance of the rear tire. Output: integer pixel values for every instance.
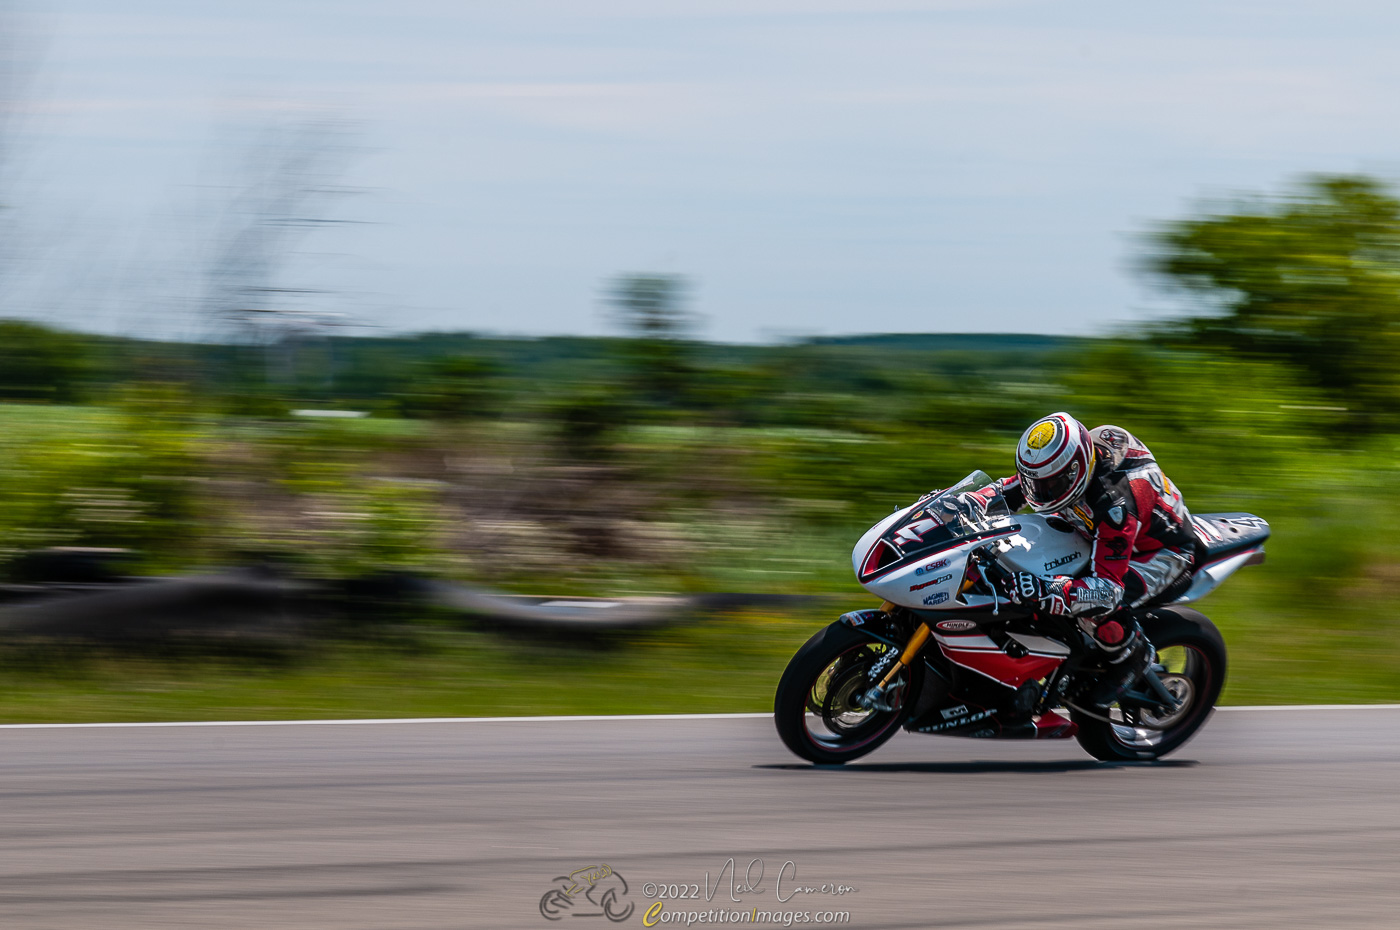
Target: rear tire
(1183, 637)
(814, 709)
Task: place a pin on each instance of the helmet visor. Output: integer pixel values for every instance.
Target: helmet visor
(1053, 489)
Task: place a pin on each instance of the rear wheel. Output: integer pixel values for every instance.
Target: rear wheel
(815, 708)
(1192, 652)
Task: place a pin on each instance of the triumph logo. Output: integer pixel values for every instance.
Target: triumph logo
(1063, 560)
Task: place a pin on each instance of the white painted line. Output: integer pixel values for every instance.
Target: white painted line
(1310, 707)
(372, 720)
(368, 721)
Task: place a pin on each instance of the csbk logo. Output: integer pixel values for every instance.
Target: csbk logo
(930, 567)
(956, 626)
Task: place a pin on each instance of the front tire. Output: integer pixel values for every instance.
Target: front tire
(814, 708)
(1193, 653)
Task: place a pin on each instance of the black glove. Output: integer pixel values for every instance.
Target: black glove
(1025, 589)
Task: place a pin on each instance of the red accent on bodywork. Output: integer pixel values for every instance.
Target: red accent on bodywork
(1003, 668)
(1052, 726)
(872, 559)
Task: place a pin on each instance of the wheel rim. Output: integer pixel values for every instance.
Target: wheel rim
(1187, 676)
(832, 719)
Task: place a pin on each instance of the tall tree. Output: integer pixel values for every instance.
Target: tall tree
(287, 187)
(651, 306)
(1311, 277)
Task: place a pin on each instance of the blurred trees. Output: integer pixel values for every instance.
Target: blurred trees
(37, 363)
(1311, 277)
(459, 387)
(652, 308)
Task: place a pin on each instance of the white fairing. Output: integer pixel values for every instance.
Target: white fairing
(923, 564)
(933, 583)
(874, 533)
(1207, 579)
(1045, 550)
(929, 584)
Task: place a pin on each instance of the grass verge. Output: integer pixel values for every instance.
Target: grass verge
(726, 663)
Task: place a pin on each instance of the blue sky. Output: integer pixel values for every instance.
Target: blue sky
(816, 166)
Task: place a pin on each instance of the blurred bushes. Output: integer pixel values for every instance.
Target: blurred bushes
(1311, 278)
(41, 364)
(656, 461)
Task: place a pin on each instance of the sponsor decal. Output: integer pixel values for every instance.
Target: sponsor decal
(858, 617)
(1040, 436)
(960, 722)
(952, 712)
(1062, 560)
(937, 597)
(1118, 545)
(955, 626)
(914, 532)
(939, 580)
(931, 567)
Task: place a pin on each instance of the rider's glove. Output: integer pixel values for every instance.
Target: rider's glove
(1032, 591)
(1026, 589)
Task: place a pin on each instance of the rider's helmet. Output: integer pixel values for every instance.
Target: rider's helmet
(1055, 459)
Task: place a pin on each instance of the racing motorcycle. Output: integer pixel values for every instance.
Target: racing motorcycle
(948, 653)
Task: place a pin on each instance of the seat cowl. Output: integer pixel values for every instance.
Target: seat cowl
(1222, 533)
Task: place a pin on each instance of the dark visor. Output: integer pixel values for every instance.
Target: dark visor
(1047, 490)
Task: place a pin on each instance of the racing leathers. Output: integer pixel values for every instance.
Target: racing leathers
(1140, 531)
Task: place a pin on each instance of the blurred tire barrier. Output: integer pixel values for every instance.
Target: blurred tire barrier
(262, 605)
(240, 603)
(589, 614)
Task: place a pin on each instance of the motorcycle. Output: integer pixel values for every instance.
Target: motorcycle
(947, 653)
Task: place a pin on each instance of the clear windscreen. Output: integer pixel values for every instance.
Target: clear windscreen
(972, 505)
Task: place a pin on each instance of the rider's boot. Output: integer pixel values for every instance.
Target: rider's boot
(1127, 654)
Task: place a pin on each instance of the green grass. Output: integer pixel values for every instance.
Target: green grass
(724, 663)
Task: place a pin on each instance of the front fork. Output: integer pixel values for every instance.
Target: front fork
(875, 698)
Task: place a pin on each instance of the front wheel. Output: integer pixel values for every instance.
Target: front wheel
(815, 708)
(1192, 652)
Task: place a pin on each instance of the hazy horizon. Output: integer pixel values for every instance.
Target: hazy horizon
(815, 167)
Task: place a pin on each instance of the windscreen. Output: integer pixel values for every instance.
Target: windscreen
(972, 505)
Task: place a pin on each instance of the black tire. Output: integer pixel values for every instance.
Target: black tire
(1174, 631)
(803, 698)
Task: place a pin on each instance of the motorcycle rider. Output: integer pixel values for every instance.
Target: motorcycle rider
(1106, 484)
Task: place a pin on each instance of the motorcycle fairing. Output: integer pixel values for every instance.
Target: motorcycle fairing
(1225, 543)
(980, 654)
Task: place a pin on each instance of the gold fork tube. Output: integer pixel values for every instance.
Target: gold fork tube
(911, 651)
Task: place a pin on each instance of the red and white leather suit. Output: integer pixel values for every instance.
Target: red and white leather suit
(1139, 527)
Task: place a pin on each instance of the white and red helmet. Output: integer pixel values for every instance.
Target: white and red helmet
(1055, 459)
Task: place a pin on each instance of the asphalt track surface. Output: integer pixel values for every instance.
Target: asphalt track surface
(1270, 819)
